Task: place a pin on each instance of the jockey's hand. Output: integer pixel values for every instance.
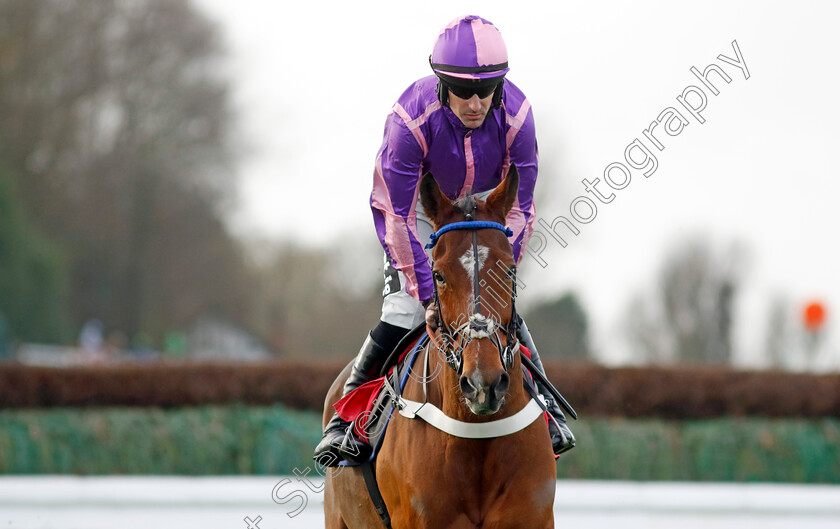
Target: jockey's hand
(432, 315)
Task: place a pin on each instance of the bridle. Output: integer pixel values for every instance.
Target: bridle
(478, 325)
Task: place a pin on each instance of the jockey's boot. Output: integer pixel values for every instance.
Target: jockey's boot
(562, 438)
(340, 442)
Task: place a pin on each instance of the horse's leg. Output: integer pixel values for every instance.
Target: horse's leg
(332, 513)
(528, 472)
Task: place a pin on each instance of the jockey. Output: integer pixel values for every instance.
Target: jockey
(466, 124)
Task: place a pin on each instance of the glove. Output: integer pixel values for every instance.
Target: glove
(432, 315)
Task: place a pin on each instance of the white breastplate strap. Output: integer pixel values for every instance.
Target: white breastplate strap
(470, 430)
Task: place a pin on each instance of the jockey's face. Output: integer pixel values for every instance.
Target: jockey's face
(470, 111)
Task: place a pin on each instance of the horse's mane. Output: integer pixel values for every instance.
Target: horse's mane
(467, 205)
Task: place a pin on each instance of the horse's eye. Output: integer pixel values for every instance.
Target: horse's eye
(438, 277)
(510, 273)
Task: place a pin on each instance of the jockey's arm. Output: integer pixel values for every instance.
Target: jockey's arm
(395, 178)
(523, 152)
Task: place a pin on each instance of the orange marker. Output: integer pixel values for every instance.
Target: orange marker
(813, 316)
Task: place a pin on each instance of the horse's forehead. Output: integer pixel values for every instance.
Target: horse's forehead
(469, 259)
(454, 249)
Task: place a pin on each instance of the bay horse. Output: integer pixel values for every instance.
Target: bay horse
(433, 479)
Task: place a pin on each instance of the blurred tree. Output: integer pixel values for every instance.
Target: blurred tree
(31, 277)
(5, 349)
(306, 309)
(560, 328)
(690, 315)
(778, 346)
(642, 326)
(117, 126)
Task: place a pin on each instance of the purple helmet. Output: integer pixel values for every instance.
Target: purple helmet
(470, 47)
(470, 53)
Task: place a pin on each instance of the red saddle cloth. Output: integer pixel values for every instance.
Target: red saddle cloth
(357, 405)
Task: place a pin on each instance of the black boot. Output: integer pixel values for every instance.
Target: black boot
(340, 442)
(562, 438)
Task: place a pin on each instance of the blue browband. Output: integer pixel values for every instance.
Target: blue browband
(467, 225)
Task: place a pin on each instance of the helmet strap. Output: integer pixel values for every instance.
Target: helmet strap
(497, 95)
(442, 93)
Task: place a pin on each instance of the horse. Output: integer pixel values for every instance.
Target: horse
(432, 479)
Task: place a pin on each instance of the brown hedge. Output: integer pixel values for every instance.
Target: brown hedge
(696, 392)
(300, 385)
(677, 393)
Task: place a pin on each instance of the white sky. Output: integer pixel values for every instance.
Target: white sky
(315, 81)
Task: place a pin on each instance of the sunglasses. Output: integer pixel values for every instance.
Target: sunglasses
(467, 92)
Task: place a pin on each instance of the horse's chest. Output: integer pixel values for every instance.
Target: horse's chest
(455, 490)
(462, 508)
(443, 490)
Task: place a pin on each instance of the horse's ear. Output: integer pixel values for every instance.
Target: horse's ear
(502, 198)
(436, 205)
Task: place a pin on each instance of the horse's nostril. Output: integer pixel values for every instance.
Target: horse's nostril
(500, 386)
(467, 388)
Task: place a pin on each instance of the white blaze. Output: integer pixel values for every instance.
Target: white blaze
(468, 260)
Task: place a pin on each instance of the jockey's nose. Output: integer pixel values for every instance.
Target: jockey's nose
(474, 103)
